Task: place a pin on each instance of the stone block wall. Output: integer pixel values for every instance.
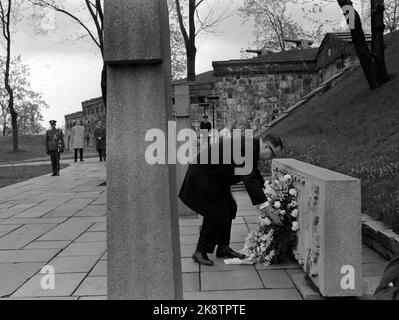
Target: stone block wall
(249, 100)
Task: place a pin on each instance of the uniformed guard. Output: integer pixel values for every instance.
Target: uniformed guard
(100, 134)
(55, 146)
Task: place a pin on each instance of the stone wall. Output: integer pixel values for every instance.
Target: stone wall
(250, 100)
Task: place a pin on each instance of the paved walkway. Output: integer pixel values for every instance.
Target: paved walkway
(45, 161)
(61, 222)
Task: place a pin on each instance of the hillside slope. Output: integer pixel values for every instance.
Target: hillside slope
(354, 130)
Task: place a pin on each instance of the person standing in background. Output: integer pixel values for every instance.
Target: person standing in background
(206, 127)
(78, 135)
(100, 135)
(55, 145)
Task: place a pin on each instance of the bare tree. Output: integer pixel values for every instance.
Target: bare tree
(196, 23)
(373, 63)
(273, 24)
(179, 57)
(94, 31)
(5, 19)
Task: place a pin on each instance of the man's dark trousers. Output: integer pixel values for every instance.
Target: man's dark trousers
(102, 154)
(80, 153)
(55, 161)
(213, 233)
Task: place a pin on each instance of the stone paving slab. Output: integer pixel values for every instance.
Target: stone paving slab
(61, 221)
(23, 236)
(14, 275)
(65, 285)
(37, 255)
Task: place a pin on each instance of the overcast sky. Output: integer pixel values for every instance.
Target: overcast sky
(68, 72)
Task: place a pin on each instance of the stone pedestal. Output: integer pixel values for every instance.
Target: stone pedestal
(143, 232)
(330, 239)
(183, 121)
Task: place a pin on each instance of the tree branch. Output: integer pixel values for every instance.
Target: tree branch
(43, 3)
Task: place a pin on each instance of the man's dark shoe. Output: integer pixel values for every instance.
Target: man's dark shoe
(227, 252)
(202, 258)
(54, 174)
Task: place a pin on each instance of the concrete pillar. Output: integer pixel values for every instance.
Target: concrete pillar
(183, 121)
(143, 231)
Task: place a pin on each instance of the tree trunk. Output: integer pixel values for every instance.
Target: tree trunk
(362, 49)
(14, 123)
(190, 46)
(191, 58)
(189, 38)
(14, 115)
(378, 49)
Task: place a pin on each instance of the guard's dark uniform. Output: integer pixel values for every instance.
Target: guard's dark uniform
(54, 147)
(206, 190)
(100, 134)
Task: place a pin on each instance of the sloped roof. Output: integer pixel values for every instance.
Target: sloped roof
(290, 55)
(294, 56)
(92, 101)
(74, 115)
(202, 77)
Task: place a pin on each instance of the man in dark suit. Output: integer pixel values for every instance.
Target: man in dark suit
(206, 190)
(389, 285)
(206, 127)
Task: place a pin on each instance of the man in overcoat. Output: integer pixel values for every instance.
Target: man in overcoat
(206, 190)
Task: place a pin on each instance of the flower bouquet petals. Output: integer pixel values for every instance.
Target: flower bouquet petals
(276, 233)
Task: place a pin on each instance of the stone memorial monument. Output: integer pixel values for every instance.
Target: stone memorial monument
(143, 232)
(329, 240)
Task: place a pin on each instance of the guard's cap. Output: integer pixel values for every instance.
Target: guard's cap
(53, 121)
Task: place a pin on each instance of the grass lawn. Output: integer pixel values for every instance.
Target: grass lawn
(30, 147)
(355, 131)
(14, 174)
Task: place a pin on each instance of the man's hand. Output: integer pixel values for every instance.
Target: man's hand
(273, 215)
(276, 218)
